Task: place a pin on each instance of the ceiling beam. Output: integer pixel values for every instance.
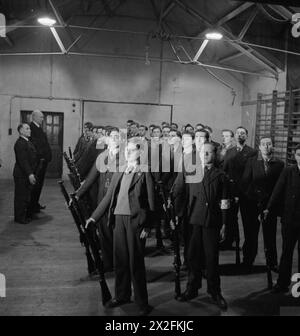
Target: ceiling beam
(62, 22)
(283, 11)
(237, 11)
(230, 57)
(246, 50)
(168, 9)
(248, 23)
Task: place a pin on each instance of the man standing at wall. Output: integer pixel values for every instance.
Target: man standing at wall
(40, 141)
(26, 162)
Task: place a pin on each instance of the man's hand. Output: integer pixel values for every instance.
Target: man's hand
(89, 221)
(71, 200)
(236, 199)
(222, 233)
(145, 233)
(266, 213)
(32, 179)
(172, 224)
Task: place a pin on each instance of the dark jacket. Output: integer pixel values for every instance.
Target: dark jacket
(40, 141)
(26, 158)
(257, 183)
(205, 209)
(102, 179)
(141, 199)
(88, 158)
(234, 166)
(287, 191)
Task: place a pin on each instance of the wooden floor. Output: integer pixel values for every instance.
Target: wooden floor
(46, 273)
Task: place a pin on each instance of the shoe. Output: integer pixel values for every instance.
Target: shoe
(113, 303)
(188, 295)
(25, 221)
(144, 311)
(277, 289)
(41, 207)
(219, 301)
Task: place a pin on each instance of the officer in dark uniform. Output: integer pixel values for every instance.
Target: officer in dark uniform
(40, 141)
(287, 191)
(260, 176)
(234, 165)
(207, 214)
(24, 178)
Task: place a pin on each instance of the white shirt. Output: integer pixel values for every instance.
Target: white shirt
(21, 136)
(37, 125)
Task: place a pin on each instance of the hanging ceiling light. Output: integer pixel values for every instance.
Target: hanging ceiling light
(46, 21)
(214, 36)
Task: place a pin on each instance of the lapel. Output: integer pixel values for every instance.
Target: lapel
(136, 177)
(260, 167)
(213, 174)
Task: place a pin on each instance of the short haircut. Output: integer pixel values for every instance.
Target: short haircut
(245, 129)
(129, 121)
(266, 136)
(146, 128)
(203, 131)
(199, 124)
(212, 145)
(152, 125)
(297, 148)
(191, 134)
(135, 123)
(167, 126)
(88, 125)
(188, 125)
(156, 127)
(164, 123)
(174, 124)
(111, 129)
(20, 127)
(228, 130)
(208, 128)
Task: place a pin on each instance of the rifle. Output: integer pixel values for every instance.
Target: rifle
(173, 222)
(74, 175)
(106, 296)
(82, 235)
(70, 153)
(264, 224)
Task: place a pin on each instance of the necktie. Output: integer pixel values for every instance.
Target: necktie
(266, 165)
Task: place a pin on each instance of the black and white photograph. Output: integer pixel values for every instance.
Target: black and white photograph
(149, 160)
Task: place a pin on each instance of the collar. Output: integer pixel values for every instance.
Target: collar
(241, 147)
(260, 157)
(21, 136)
(36, 124)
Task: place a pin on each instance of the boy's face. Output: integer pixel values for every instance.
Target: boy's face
(207, 154)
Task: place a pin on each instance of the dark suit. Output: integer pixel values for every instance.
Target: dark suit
(207, 218)
(81, 147)
(258, 183)
(26, 163)
(128, 247)
(183, 191)
(287, 191)
(101, 181)
(40, 141)
(234, 166)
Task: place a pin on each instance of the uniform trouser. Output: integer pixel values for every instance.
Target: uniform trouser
(290, 236)
(186, 232)
(251, 225)
(204, 248)
(22, 199)
(232, 225)
(129, 261)
(36, 192)
(106, 242)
